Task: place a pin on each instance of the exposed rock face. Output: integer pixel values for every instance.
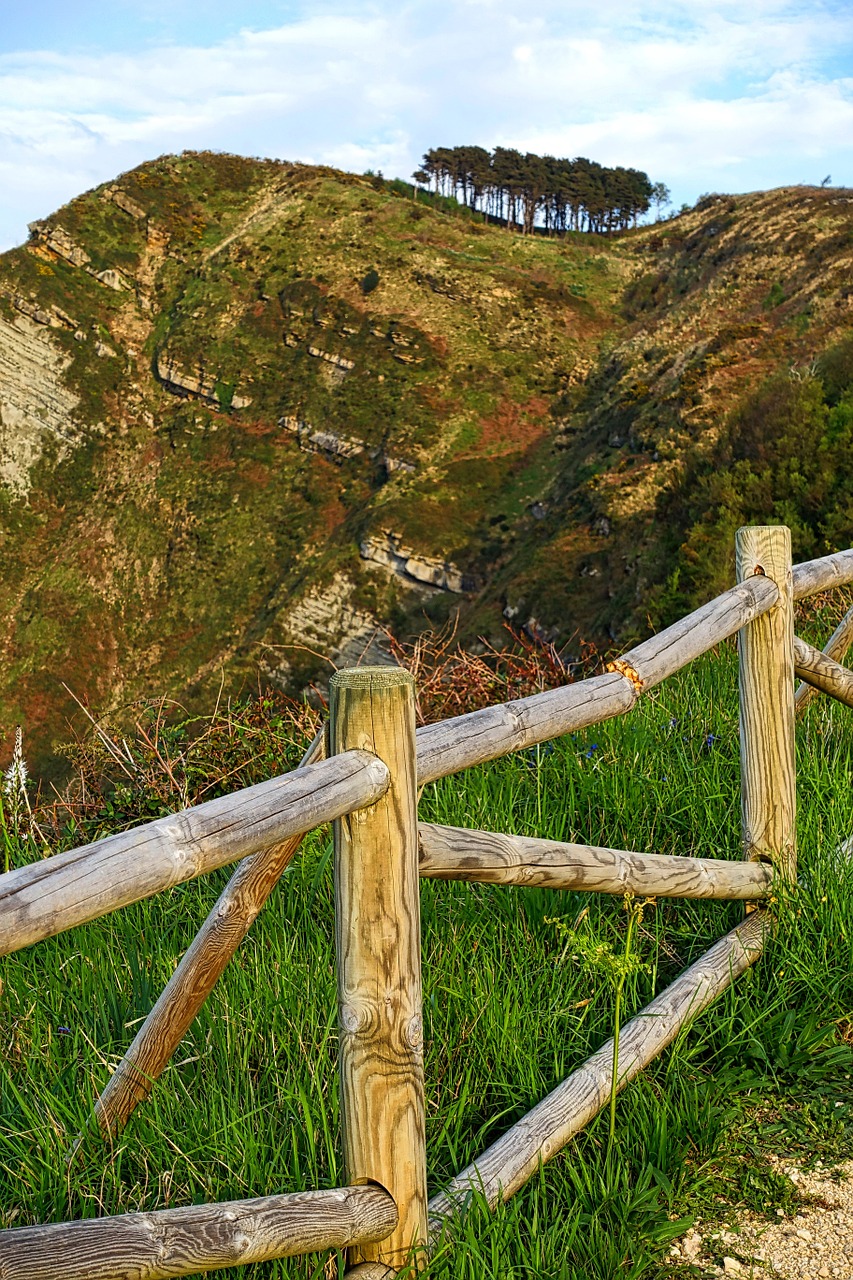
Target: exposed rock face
(388, 551)
(112, 279)
(35, 404)
(340, 362)
(182, 382)
(313, 440)
(123, 201)
(58, 241)
(329, 623)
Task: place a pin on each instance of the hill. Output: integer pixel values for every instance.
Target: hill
(250, 411)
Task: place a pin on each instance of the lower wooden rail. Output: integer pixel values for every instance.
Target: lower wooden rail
(488, 857)
(202, 1237)
(516, 1156)
(822, 672)
(836, 647)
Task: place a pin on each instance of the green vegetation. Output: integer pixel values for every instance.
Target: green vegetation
(250, 1104)
(566, 195)
(784, 451)
(306, 362)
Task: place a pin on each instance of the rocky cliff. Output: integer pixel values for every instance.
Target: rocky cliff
(253, 414)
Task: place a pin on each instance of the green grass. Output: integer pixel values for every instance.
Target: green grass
(250, 1104)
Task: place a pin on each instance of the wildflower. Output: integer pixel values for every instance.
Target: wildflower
(64, 1031)
(15, 777)
(15, 799)
(710, 739)
(593, 748)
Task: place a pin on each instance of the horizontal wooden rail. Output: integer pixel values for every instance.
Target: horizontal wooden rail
(506, 1165)
(823, 672)
(671, 649)
(836, 647)
(84, 883)
(454, 853)
(71, 888)
(202, 1237)
(451, 745)
(820, 575)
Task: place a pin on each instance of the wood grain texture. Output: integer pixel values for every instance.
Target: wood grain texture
(452, 853)
(203, 1237)
(822, 672)
(450, 745)
(820, 575)
(378, 940)
(195, 977)
(836, 648)
(71, 888)
(370, 1271)
(695, 634)
(506, 1165)
(766, 689)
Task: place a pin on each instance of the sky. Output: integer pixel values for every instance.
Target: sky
(704, 95)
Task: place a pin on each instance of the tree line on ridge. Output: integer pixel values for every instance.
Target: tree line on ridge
(526, 190)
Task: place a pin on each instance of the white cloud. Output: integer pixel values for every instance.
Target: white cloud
(700, 93)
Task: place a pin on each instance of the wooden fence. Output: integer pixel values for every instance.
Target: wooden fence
(365, 780)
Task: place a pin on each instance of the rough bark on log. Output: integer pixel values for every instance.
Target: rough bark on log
(203, 1237)
(836, 647)
(486, 857)
(822, 672)
(813, 576)
(71, 888)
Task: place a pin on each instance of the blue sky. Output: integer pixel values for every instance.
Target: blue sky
(705, 95)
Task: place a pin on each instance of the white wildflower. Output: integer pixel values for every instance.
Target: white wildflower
(15, 777)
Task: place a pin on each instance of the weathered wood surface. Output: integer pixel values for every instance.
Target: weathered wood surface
(836, 647)
(451, 745)
(70, 888)
(195, 977)
(370, 1271)
(506, 1165)
(695, 634)
(822, 672)
(820, 575)
(454, 853)
(378, 942)
(203, 1237)
(766, 688)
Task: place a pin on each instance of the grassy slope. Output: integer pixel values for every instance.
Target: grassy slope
(175, 539)
(546, 392)
(735, 290)
(250, 1104)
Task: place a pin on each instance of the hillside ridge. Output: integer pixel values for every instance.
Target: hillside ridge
(253, 413)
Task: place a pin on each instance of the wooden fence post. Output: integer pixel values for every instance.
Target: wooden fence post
(378, 937)
(766, 649)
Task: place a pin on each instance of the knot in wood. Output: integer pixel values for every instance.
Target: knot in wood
(630, 673)
(415, 1032)
(353, 1019)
